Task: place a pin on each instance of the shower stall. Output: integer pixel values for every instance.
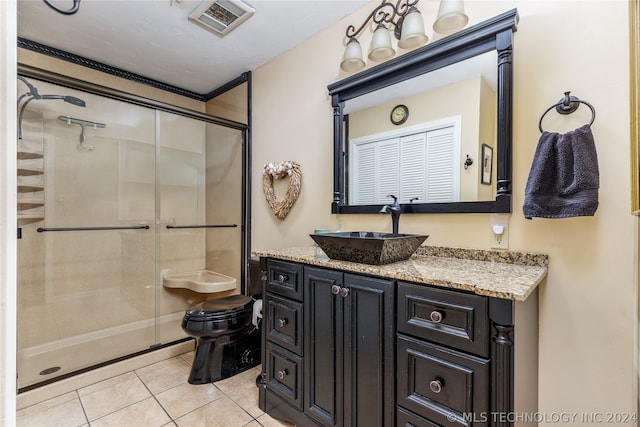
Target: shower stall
(114, 193)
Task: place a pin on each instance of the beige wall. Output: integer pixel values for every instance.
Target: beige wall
(587, 302)
(231, 105)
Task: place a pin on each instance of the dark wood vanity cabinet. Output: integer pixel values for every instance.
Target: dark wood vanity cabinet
(443, 351)
(329, 354)
(349, 358)
(345, 349)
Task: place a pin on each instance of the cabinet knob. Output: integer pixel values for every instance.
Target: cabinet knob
(335, 289)
(436, 316)
(282, 322)
(344, 292)
(436, 385)
(282, 373)
(282, 278)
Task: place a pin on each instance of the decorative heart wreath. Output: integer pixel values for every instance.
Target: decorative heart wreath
(281, 170)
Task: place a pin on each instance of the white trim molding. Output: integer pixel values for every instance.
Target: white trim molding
(8, 221)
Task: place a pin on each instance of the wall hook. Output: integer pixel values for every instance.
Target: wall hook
(468, 162)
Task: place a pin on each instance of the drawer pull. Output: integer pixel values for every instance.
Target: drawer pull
(335, 289)
(436, 385)
(282, 278)
(282, 373)
(282, 322)
(436, 316)
(344, 292)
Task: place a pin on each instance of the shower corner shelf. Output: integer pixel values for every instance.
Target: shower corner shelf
(24, 219)
(30, 204)
(29, 188)
(24, 205)
(29, 154)
(25, 154)
(29, 171)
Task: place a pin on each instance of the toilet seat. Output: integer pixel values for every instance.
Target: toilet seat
(220, 309)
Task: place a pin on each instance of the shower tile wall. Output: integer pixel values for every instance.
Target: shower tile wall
(89, 296)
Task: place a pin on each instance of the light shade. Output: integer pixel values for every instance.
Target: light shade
(381, 48)
(352, 59)
(412, 34)
(451, 17)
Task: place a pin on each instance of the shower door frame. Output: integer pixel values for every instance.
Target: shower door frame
(92, 88)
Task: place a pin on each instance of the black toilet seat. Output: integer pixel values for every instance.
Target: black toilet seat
(220, 309)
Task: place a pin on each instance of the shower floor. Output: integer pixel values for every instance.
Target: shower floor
(72, 339)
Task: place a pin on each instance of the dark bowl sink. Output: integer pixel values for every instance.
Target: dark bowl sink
(368, 247)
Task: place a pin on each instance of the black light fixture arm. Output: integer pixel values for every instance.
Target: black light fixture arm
(386, 12)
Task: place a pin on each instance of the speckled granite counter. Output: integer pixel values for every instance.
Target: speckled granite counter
(501, 274)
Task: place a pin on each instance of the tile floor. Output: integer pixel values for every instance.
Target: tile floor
(155, 395)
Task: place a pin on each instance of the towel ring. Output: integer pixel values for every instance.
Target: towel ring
(568, 105)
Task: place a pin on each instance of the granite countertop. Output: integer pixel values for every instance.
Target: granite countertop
(500, 274)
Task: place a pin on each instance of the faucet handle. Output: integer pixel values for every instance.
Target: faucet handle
(395, 199)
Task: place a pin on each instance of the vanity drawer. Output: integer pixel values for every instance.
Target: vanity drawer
(285, 279)
(442, 385)
(284, 324)
(450, 318)
(405, 418)
(284, 374)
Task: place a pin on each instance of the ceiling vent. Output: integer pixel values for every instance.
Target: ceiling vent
(221, 16)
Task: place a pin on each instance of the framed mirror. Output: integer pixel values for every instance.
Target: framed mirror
(432, 127)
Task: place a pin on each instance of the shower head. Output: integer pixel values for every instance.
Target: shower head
(66, 98)
(33, 94)
(75, 101)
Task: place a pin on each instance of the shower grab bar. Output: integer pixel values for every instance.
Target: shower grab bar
(202, 226)
(130, 227)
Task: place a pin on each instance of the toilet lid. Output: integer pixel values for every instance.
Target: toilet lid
(225, 304)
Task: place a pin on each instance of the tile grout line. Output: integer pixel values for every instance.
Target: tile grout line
(126, 406)
(86, 417)
(239, 406)
(155, 398)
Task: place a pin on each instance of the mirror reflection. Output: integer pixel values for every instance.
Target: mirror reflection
(433, 126)
(413, 139)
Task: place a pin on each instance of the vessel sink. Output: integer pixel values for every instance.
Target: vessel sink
(203, 281)
(368, 247)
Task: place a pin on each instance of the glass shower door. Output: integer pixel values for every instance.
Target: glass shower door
(86, 270)
(200, 211)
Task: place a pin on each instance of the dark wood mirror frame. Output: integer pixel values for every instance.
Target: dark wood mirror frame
(493, 34)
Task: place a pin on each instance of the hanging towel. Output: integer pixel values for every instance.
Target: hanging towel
(564, 178)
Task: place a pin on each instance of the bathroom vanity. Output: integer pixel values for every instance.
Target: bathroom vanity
(448, 337)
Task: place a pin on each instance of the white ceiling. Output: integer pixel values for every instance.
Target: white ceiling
(154, 38)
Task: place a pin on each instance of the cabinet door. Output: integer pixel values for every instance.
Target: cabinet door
(323, 346)
(369, 357)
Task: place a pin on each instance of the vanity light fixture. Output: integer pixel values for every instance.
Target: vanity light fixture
(408, 28)
(451, 17)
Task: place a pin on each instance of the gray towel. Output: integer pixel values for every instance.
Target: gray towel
(564, 178)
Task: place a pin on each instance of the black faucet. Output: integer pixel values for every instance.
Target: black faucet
(395, 211)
